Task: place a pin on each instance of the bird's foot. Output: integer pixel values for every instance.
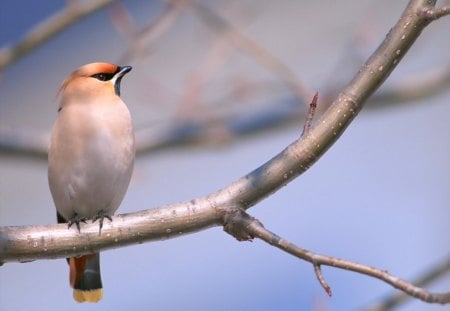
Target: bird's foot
(100, 217)
(76, 220)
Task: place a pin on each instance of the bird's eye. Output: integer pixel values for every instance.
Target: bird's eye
(102, 76)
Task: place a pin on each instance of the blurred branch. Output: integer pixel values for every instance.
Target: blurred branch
(73, 12)
(187, 131)
(394, 300)
(259, 53)
(226, 206)
(30, 143)
(24, 142)
(414, 87)
(217, 56)
(140, 41)
(283, 112)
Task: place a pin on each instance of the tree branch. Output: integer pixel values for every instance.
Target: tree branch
(248, 190)
(310, 116)
(395, 299)
(436, 13)
(242, 222)
(56, 241)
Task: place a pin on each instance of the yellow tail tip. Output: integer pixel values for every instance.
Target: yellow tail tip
(88, 295)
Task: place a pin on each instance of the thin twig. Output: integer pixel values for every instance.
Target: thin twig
(310, 116)
(436, 13)
(321, 278)
(395, 299)
(255, 229)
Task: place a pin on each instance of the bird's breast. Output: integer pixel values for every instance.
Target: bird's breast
(91, 158)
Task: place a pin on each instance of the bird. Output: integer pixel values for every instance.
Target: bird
(90, 160)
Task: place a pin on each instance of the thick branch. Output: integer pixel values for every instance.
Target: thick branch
(56, 241)
(28, 243)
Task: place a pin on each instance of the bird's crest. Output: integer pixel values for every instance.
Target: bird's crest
(87, 71)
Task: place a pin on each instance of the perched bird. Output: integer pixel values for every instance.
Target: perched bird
(90, 160)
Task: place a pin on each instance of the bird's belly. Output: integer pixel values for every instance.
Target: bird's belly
(95, 180)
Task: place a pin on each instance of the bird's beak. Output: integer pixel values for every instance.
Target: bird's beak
(123, 71)
(118, 77)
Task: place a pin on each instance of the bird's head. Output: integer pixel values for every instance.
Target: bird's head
(94, 79)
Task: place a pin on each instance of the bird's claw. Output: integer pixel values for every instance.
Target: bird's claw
(76, 220)
(100, 217)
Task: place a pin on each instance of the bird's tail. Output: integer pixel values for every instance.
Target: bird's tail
(85, 278)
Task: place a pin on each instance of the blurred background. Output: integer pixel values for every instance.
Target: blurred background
(218, 88)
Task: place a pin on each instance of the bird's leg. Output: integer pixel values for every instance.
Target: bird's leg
(101, 216)
(76, 219)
